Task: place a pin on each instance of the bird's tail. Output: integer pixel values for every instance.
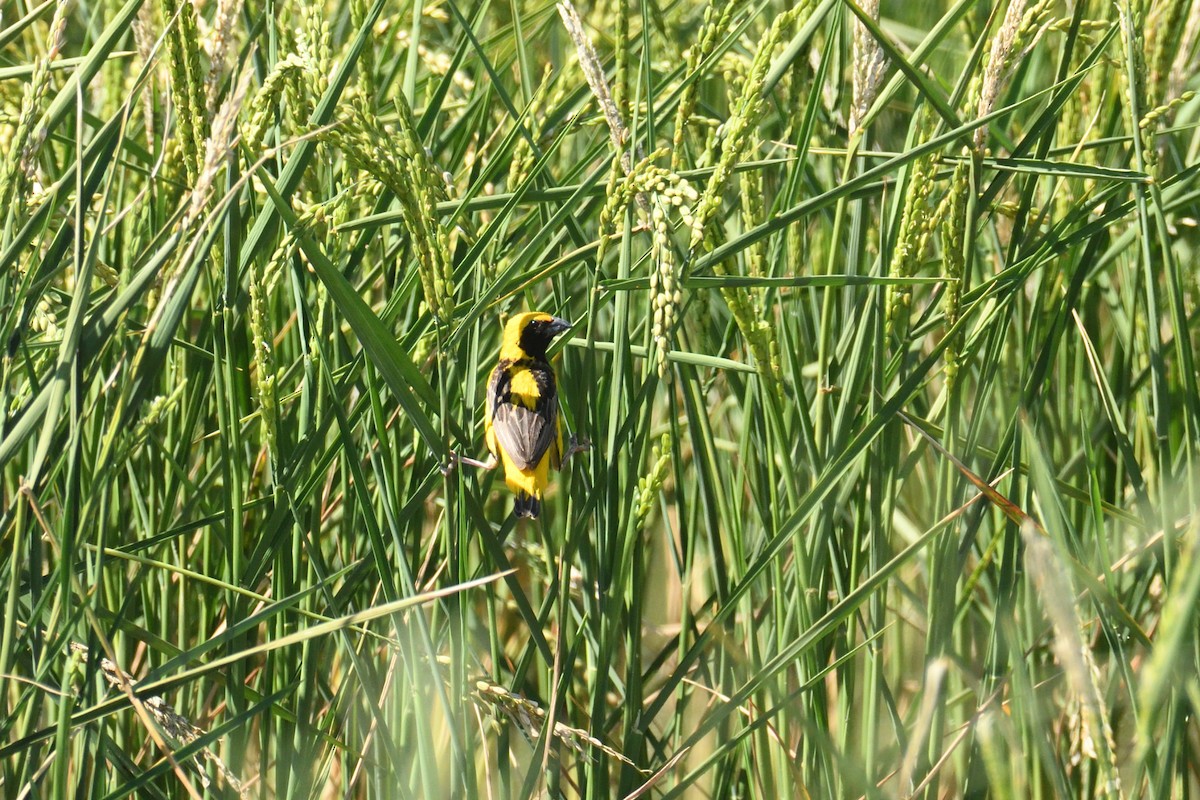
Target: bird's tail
(527, 505)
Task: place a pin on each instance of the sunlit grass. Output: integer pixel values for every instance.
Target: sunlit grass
(884, 348)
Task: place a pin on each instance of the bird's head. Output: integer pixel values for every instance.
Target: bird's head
(529, 334)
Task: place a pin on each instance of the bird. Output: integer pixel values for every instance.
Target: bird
(521, 425)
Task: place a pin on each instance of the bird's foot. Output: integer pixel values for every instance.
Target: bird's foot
(575, 445)
(458, 459)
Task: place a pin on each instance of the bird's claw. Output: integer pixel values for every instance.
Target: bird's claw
(458, 459)
(575, 445)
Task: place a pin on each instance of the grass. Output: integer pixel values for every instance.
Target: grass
(884, 346)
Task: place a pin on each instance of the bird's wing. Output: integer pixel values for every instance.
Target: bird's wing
(526, 434)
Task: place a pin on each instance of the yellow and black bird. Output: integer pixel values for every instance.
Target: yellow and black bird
(521, 424)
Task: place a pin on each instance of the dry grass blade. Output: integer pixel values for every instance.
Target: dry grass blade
(178, 727)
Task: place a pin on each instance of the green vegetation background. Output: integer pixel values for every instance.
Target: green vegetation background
(885, 349)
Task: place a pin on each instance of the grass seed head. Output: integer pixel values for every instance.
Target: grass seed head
(717, 16)
(17, 166)
(869, 66)
(954, 222)
(918, 218)
(265, 105)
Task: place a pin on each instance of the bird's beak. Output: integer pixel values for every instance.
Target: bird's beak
(557, 326)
